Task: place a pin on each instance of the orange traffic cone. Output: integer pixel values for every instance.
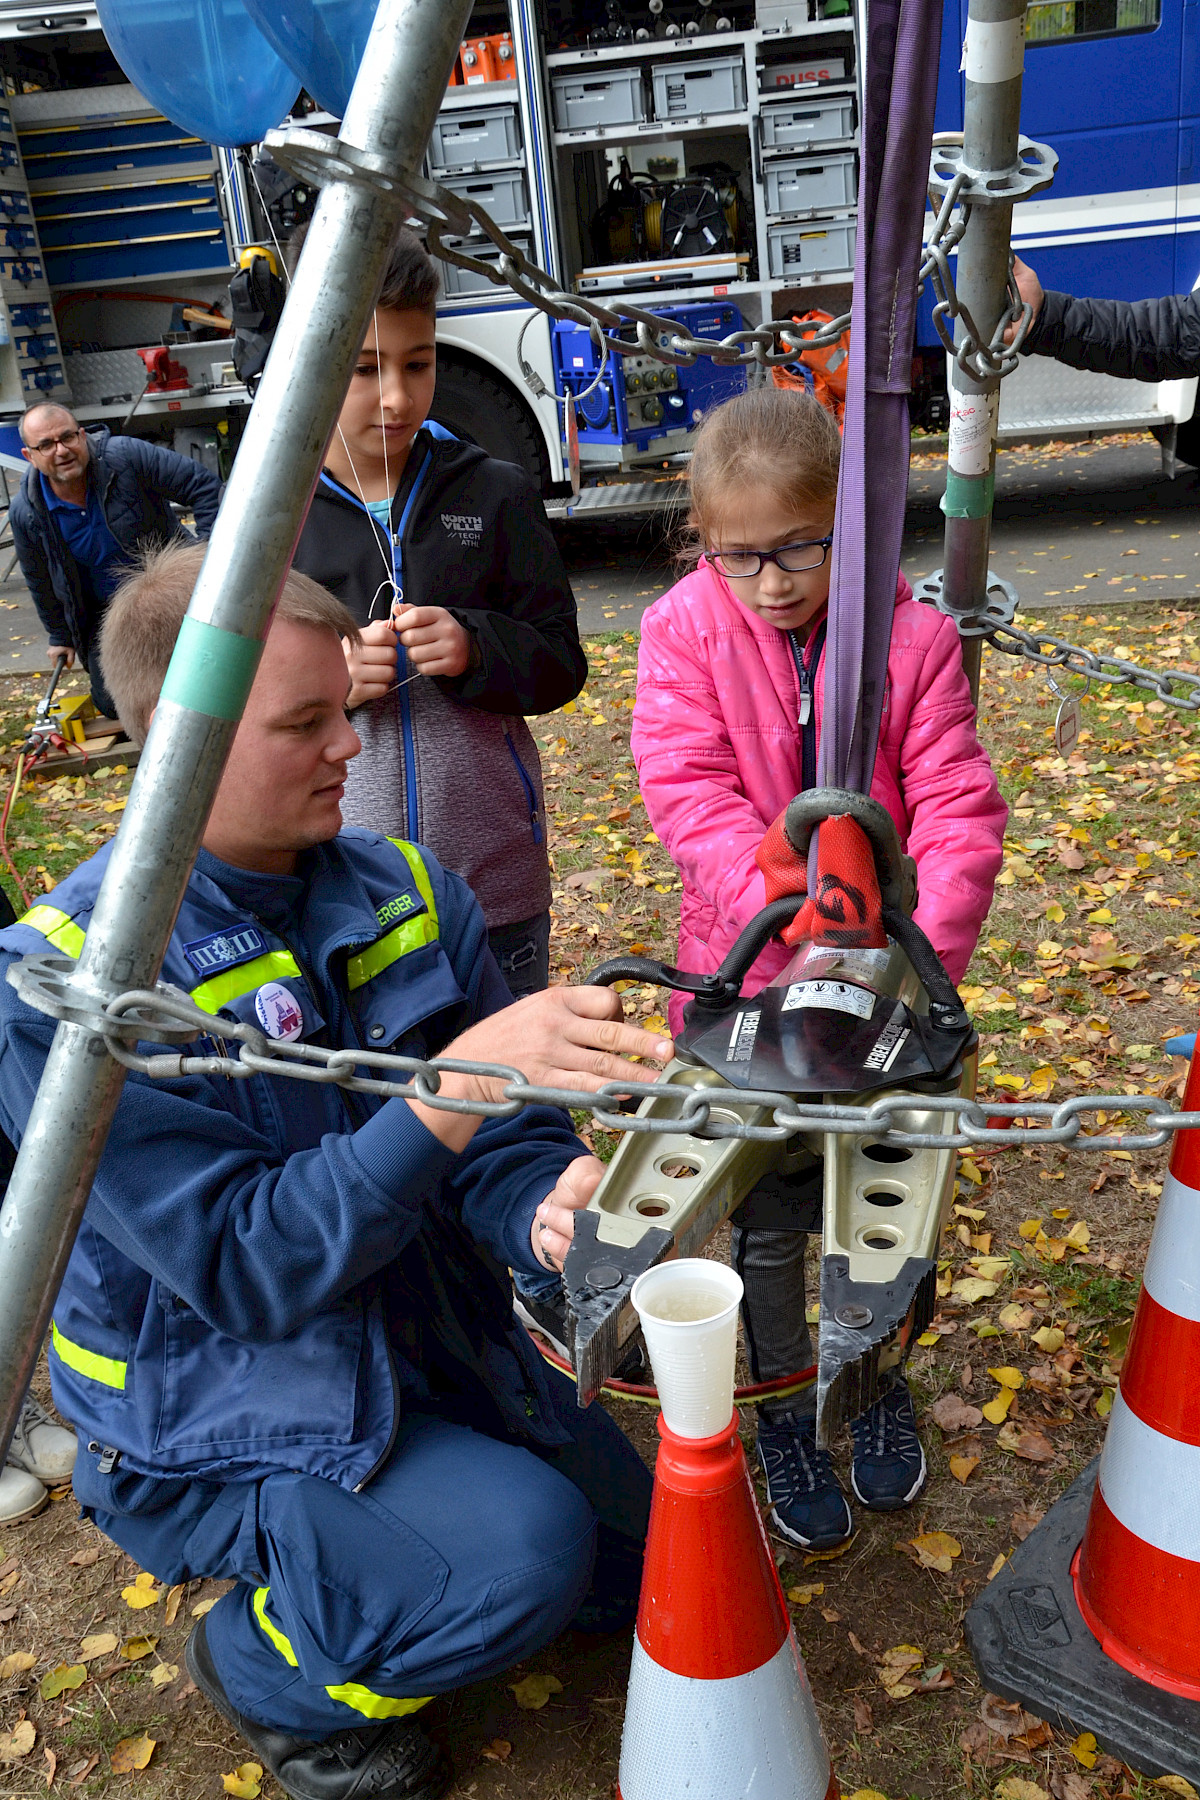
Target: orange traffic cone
(719, 1704)
(1122, 1607)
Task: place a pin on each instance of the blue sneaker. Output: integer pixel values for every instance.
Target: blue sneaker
(807, 1502)
(889, 1464)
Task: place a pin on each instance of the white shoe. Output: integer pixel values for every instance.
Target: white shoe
(21, 1495)
(40, 1447)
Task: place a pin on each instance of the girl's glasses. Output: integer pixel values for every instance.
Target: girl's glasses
(793, 559)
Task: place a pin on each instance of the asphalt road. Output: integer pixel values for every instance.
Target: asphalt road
(1084, 524)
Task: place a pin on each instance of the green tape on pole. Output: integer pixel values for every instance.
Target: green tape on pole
(211, 669)
(968, 496)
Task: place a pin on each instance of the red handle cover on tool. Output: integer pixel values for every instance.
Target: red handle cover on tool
(846, 909)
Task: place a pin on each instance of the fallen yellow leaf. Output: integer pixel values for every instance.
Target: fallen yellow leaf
(245, 1781)
(1017, 1788)
(1008, 1378)
(1029, 1228)
(132, 1753)
(133, 1649)
(970, 1169)
(1104, 1404)
(533, 1693)
(102, 1644)
(17, 1742)
(1176, 1784)
(971, 1289)
(164, 1675)
(996, 1411)
(16, 1663)
(203, 1606)
(173, 1599)
(1079, 1236)
(936, 1549)
(963, 1467)
(867, 1794)
(1049, 1339)
(1084, 1749)
(144, 1592)
(801, 1596)
(66, 1675)
(929, 1337)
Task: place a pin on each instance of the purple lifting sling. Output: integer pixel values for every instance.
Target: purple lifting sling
(901, 82)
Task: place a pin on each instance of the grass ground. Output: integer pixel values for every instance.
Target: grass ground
(1089, 961)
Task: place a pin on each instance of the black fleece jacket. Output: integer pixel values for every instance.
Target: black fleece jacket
(1143, 340)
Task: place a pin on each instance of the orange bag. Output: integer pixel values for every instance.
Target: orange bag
(830, 367)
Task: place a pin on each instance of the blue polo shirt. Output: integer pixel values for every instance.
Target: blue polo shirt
(102, 562)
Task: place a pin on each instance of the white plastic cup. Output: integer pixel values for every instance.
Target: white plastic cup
(689, 1312)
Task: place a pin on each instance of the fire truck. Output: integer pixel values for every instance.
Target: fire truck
(698, 157)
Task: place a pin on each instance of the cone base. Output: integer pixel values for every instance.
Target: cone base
(1031, 1643)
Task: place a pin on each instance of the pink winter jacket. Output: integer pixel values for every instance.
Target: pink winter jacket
(718, 747)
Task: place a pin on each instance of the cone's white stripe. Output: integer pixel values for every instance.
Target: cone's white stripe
(751, 1737)
(1172, 1275)
(1151, 1484)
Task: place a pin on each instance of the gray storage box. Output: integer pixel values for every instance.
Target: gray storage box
(601, 97)
(466, 281)
(811, 183)
(503, 197)
(685, 90)
(796, 250)
(803, 124)
(472, 139)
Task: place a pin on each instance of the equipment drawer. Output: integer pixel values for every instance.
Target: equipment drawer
(811, 183)
(684, 90)
(467, 140)
(618, 97)
(810, 249)
(504, 197)
(804, 124)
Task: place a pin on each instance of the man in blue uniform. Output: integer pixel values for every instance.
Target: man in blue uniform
(285, 1336)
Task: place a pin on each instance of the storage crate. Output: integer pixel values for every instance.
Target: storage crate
(466, 281)
(811, 183)
(616, 97)
(685, 90)
(469, 140)
(504, 197)
(804, 124)
(795, 250)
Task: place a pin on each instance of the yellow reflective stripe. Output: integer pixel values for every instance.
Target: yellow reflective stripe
(349, 1693)
(87, 1362)
(386, 950)
(375, 1706)
(411, 935)
(59, 927)
(221, 990)
(273, 1632)
(420, 873)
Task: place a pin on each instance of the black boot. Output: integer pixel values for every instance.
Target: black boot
(392, 1761)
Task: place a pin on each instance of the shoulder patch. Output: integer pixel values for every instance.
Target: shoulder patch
(225, 949)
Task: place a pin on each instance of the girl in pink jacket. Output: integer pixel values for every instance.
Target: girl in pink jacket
(725, 733)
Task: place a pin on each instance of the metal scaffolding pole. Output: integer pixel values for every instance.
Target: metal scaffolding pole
(994, 168)
(404, 72)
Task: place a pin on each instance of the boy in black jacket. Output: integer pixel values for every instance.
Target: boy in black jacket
(444, 557)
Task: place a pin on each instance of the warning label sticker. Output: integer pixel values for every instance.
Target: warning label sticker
(830, 996)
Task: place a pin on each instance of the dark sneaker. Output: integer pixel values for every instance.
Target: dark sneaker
(807, 1502)
(889, 1464)
(549, 1318)
(393, 1761)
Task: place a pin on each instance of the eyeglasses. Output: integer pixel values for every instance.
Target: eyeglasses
(793, 559)
(66, 438)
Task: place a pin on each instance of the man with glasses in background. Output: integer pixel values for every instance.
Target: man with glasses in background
(88, 504)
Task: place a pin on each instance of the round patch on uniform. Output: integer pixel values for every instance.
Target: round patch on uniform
(278, 1011)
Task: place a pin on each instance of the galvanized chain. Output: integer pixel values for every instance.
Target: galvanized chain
(1096, 665)
(167, 1015)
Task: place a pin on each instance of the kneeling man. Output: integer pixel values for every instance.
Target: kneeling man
(285, 1336)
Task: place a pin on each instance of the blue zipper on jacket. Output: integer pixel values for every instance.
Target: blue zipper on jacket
(535, 818)
(396, 547)
(806, 673)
